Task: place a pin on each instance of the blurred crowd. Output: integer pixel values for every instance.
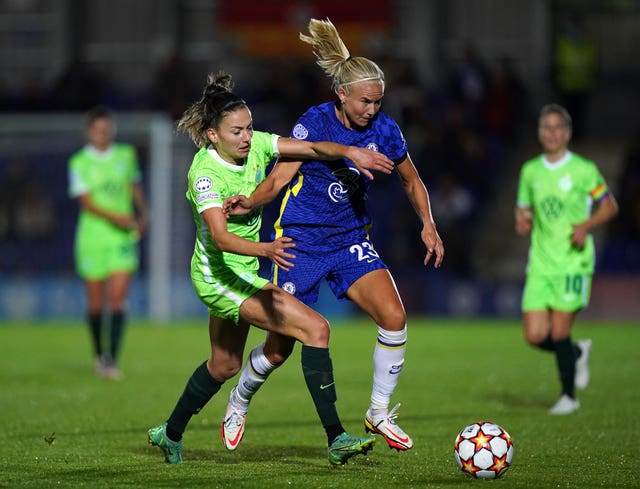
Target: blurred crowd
(462, 135)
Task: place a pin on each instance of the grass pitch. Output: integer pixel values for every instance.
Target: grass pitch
(64, 427)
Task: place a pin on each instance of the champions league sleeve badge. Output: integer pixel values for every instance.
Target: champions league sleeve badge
(300, 132)
(202, 184)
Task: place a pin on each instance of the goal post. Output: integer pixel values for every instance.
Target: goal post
(159, 245)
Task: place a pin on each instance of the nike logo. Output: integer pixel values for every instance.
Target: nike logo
(323, 387)
(236, 440)
(403, 440)
(391, 435)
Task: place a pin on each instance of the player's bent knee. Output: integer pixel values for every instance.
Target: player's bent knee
(222, 374)
(394, 322)
(318, 333)
(277, 349)
(278, 358)
(223, 370)
(534, 339)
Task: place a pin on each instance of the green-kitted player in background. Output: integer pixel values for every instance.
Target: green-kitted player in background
(105, 179)
(555, 196)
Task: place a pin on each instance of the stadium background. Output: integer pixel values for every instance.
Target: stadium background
(464, 80)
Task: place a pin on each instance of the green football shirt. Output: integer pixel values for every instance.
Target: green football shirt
(210, 181)
(560, 194)
(108, 176)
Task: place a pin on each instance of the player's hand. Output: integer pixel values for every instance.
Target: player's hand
(124, 221)
(367, 160)
(142, 224)
(434, 245)
(579, 235)
(523, 226)
(237, 205)
(278, 254)
(524, 220)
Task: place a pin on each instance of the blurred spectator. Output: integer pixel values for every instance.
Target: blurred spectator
(78, 88)
(172, 91)
(454, 207)
(468, 84)
(30, 96)
(622, 251)
(35, 216)
(12, 181)
(404, 93)
(575, 69)
(282, 79)
(628, 223)
(465, 153)
(504, 106)
(26, 211)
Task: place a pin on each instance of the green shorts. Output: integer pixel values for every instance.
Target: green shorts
(98, 257)
(224, 296)
(567, 293)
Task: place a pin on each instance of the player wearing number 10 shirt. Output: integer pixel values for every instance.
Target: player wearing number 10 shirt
(556, 192)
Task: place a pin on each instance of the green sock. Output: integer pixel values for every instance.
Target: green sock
(566, 360)
(117, 329)
(95, 327)
(199, 389)
(318, 375)
(547, 344)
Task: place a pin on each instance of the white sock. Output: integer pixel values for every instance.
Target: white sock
(254, 374)
(388, 359)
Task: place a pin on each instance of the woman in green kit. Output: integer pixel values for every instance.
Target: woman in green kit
(556, 192)
(104, 177)
(232, 159)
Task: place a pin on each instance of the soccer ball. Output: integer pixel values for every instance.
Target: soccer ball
(483, 450)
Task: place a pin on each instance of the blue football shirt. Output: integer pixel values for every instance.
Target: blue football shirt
(325, 203)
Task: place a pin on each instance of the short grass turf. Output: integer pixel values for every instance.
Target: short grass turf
(64, 427)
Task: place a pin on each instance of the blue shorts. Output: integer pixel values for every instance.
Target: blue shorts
(340, 268)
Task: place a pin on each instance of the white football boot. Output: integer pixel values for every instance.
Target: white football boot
(386, 426)
(565, 405)
(232, 426)
(582, 365)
